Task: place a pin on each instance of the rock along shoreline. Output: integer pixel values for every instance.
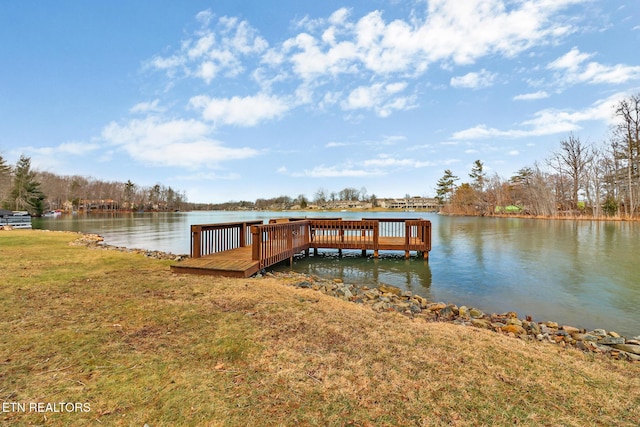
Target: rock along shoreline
(386, 298)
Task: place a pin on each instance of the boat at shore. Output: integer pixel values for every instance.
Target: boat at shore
(15, 219)
(52, 214)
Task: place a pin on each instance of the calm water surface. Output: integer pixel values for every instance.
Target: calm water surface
(585, 274)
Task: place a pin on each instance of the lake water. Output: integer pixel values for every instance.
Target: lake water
(580, 273)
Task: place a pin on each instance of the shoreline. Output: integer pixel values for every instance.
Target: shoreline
(386, 298)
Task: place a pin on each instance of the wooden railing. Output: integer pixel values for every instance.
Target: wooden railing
(417, 236)
(344, 234)
(211, 238)
(276, 242)
(392, 227)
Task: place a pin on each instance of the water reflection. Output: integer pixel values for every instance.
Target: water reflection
(390, 268)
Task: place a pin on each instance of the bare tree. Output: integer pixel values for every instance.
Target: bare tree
(571, 160)
(595, 172)
(627, 134)
(321, 196)
(349, 194)
(496, 193)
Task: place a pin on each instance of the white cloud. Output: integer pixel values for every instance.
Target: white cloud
(466, 30)
(570, 60)
(213, 52)
(169, 63)
(305, 54)
(308, 66)
(380, 98)
(549, 121)
(574, 69)
(146, 107)
(204, 17)
(384, 161)
(77, 148)
(364, 97)
(460, 32)
(345, 171)
(66, 148)
(541, 94)
(207, 71)
(246, 111)
(202, 46)
(245, 38)
(334, 144)
(185, 143)
(474, 80)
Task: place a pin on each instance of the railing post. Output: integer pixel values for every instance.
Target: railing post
(407, 239)
(376, 239)
(196, 233)
(290, 244)
(256, 249)
(243, 232)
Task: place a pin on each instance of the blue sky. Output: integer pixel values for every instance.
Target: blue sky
(237, 100)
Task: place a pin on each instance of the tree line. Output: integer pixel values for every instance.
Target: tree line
(577, 179)
(322, 198)
(24, 189)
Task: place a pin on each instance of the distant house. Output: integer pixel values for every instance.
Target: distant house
(411, 203)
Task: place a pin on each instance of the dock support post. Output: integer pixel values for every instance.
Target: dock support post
(364, 252)
(375, 253)
(407, 254)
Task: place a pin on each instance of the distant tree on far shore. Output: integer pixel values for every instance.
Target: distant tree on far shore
(5, 179)
(25, 193)
(445, 186)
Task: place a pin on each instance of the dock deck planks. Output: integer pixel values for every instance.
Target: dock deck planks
(232, 263)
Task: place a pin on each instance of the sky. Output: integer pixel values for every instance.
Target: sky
(232, 100)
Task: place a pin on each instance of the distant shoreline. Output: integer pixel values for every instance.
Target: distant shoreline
(373, 210)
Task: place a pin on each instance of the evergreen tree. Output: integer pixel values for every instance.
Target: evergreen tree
(478, 176)
(129, 192)
(5, 180)
(26, 194)
(446, 186)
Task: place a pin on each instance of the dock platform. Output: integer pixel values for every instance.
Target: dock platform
(243, 249)
(232, 263)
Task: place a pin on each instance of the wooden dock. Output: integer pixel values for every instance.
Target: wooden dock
(232, 263)
(243, 249)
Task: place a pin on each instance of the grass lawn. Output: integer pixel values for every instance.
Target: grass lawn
(126, 342)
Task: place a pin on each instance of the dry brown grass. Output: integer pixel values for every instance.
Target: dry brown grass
(141, 345)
